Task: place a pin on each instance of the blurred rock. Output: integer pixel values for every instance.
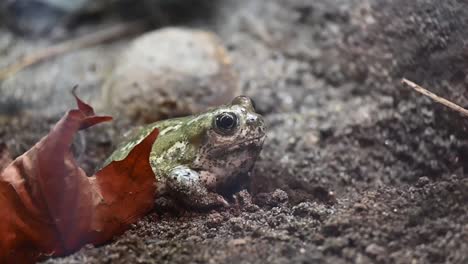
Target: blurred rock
(375, 250)
(170, 72)
(44, 89)
(36, 17)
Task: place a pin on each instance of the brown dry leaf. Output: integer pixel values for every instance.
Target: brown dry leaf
(51, 208)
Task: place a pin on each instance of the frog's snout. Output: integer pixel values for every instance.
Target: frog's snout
(256, 123)
(254, 119)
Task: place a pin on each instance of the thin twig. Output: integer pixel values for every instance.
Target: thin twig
(435, 97)
(88, 40)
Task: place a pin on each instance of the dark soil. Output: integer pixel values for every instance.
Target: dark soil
(356, 167)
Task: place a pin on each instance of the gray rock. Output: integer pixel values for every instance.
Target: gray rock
(375, 250)
(170, 72)
(45, 89)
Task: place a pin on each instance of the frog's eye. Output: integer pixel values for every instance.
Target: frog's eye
(225, 123)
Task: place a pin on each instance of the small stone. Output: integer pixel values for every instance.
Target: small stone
(375, 250)
(170, 72)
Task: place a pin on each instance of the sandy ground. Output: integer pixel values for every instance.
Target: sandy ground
(356, 167)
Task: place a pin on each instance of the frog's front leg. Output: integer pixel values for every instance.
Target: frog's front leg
(188, 186)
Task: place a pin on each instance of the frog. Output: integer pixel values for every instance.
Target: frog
(198, 159)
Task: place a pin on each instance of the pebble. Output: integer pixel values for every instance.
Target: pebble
(375, 250)
(170, 72)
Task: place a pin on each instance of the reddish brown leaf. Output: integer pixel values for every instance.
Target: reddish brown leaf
(51, 208)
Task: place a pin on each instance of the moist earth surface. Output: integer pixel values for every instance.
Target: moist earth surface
(356, 168)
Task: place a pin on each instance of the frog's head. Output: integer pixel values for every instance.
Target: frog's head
(231, 143)
(235, 126)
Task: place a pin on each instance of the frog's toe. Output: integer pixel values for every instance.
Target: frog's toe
(186, 183)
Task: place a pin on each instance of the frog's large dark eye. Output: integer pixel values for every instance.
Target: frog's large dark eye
(226, 123)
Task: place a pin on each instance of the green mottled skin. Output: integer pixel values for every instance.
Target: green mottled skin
(189, 158)
(165, 140)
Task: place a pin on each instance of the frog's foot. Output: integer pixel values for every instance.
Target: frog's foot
(186, 184)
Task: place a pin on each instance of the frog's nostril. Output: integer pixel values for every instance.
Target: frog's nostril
(252, 119)
(256, 122)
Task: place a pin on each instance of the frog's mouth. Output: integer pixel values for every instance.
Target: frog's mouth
(255, 142)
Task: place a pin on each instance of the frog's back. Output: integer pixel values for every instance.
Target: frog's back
(136, 135)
